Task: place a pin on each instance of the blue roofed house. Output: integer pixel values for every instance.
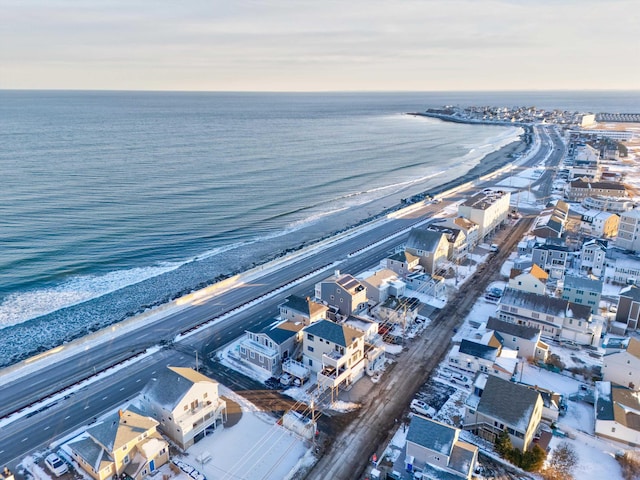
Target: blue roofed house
(435, 450)
(123, 443)
(335, 351)
(497, 405)
(485, 356)
(185, 403)
(268, 348)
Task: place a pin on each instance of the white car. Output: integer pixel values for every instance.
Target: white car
(422, 408)
(56, 465)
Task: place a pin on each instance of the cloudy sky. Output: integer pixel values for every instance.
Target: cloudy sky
(320, 45)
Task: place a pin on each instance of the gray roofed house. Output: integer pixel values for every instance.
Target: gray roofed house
(436, 450)
(628, 309)
(617, 413)
(269, 347)
(479, 350)
(504, 405)
(343, 291)
(430, 246)
(525, 340)
(304, 309)
(339, 334)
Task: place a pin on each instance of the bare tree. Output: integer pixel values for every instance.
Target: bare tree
(561, 463)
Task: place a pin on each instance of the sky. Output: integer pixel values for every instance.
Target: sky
(327, 45)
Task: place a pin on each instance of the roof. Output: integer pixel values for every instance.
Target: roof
(634, 347)
(430, 434)
(508, 328)
(631, 292)
(91, 452)
(304, 305)
(538, 272)
(397, 303)
(280, 332)
(626, 407)
(544, 304)
(462, 458)
(171, 385)
(635, 213)
(604, 405)
(484, 200)
(508, 402)
(478, 350)
(404, 257)
(120, 428)
(583, 283)
(339, 334)
(381, 277)
(427, 240)
(601, 185)
(349, 283)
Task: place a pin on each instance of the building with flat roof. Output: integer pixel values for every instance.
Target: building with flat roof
(488, 209)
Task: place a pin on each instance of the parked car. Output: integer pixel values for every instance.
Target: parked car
(286, 379)
(55, 464)
(272, 383)
(422, 408)
(494, 247)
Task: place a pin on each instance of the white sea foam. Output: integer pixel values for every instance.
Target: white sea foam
(20, 307)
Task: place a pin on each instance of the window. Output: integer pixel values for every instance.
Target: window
(310, 348)
(260, 358)
(252, 354)
(310, 337)
(125, 460)
(310, 362)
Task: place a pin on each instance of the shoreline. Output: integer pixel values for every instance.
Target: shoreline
(245, 257)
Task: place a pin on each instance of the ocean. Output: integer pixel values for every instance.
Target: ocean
(115, 202)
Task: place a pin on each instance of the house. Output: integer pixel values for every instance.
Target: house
(600, 224)
(469, 228)
(486, 356)
(432, 285)
(551, 258)
(525, 340)
(335, 352)
(607, 204)
(555, 317)
(629, 231)
(551, 221)
(497, 405)
(343, 291)
(625, 266)
(269, 347)
(617, 413)
(302, 309)
(580, 189)
(431, 247)
(401, 311)
(185, 403)
(628, 310)
(592, 257)
(403, 263)
(623, 367)
(124, 443)
(457, 240)
(436, 450)
(488, 209)
(381, 284)
(534, 281)
(583, 291)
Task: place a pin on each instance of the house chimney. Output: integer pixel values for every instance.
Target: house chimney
(337, 273)
(120, 413)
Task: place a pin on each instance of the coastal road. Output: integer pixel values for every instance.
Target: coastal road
(81, 407)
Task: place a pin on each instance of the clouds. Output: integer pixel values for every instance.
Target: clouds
(329, 45)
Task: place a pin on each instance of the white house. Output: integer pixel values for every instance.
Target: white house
(488, 209)
(623, 367)
(617, 411)
(185, 403)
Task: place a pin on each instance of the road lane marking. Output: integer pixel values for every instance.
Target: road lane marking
(47, 427)
(105, 397)
(138, 380)
(122, 389)
(67, 417)
(86, 407)
(24, 439)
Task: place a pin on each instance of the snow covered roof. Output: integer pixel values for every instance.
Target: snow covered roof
(463, 457)
(430, 434)
(544, 304)
(634, 347)
(508, 402)
(280, 332)
(583, 283)
(404, 257)
(304, 305)
(91, 452)
(120, 428)
(631, 292)
(478, 350)
(381, 277)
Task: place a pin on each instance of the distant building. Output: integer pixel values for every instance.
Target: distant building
(617, 414)
(600, 224)
(123, 444)
(488, 209)
(629, 231)
(623, 367)
(593, 257)
(628, 311)
(435, 450)
(607, 204)
(583, 291)
(497, 405)
(578, 190)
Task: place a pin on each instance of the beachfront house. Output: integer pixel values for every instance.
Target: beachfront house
(617, 411)
(335, 352)
(488, 209)
(497, 405)
(556, 318)
(381, 284)
(469, 228)
(269, 347)
(123, 444)
(403, 263)
(302, 309)
(436, 451)
(343, 291)
(185, 403)
(623, 367)
(431, 247)
(456, 239)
